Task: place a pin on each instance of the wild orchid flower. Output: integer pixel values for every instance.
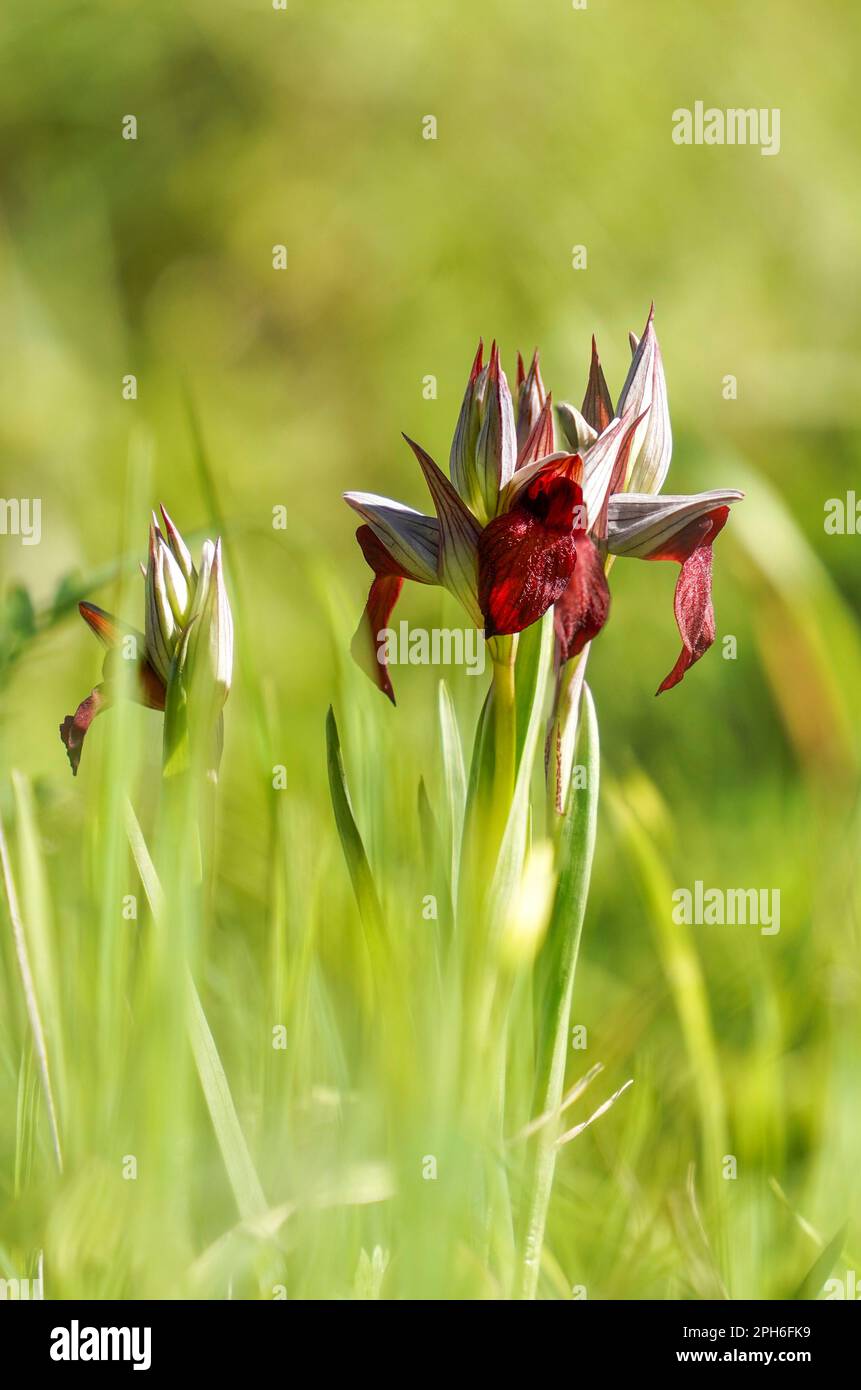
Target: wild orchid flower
(187, 622)
(511, 527)
(520, 527)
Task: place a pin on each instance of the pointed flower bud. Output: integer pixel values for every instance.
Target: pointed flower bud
(210, 650)
(645, 389)
(179, 604)
(176, 586)
(496, 450)
(462, 457)
(597, 406)
(161, 626)
(530, 398)
(179, 549)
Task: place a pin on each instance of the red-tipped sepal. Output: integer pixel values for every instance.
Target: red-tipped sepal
(530, 399)
(597, 408)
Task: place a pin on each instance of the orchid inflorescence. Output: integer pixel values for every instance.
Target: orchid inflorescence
(188, 627)
(520, 527)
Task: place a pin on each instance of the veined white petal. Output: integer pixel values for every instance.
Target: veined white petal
(161, 628)
(640, 524)
(179, 549)
(600, 461)
(411, 537)
(645, 388)
(175, 582)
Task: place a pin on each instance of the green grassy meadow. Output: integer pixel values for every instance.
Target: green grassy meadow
(231, 1080)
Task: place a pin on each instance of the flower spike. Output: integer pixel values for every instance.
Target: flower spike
(521, 527)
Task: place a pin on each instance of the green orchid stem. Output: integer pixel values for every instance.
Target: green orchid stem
(504, 738)
(485, 835)
(576, 849)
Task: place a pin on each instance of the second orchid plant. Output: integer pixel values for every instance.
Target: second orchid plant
(185, 651)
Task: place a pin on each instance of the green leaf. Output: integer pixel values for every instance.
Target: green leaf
(213, 1079)
(241, 1173)
(481, 762)
(351, 841)
(530, 673)
(31, 999)
(20, 615)
(454, 774)
(819, 1271)
(433, 847)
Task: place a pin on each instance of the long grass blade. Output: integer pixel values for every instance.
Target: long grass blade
(238, 1163)
(29, 988)
(454, 773)
(351, 841)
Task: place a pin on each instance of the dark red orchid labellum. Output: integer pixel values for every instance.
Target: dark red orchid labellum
(526, 556)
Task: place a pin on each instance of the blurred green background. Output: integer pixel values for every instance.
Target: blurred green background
(154, 257)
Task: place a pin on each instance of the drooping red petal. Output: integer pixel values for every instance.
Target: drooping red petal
(692, 548)
(581, 610)
(525, 556)
(368, 648)
(74, 727)
(597, 408)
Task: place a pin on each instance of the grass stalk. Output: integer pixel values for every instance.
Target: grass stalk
(30, 997)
